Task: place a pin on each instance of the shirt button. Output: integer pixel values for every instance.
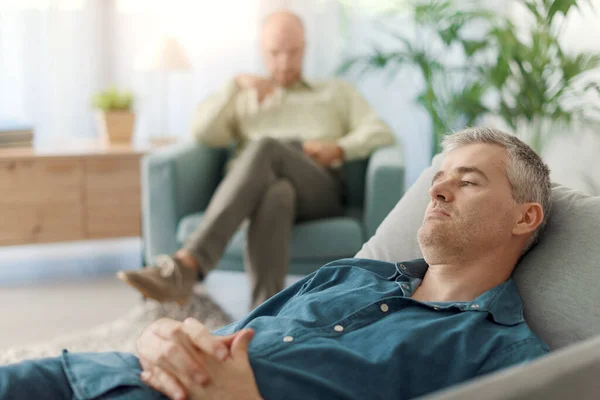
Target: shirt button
(402, 266)
(405, 286)
(384, 307)
(338, 328)
(288, 339)
(475, 305)
(436, 308)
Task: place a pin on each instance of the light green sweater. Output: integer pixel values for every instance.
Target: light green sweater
(329, 112)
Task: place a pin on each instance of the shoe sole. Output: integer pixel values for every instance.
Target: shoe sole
(144, 291)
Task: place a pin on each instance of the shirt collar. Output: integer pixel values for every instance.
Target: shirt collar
(502, 302)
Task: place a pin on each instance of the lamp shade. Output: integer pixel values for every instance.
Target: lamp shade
(165, 55)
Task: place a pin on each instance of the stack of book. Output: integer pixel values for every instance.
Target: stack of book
(15, 135)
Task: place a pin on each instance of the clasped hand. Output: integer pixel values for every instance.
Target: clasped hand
(184, 360)
(325, 154)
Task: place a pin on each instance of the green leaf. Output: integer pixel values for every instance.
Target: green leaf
(508, 114)
(560, 6)
(533, 9)
(573, 67)
(112, 99)
(473, 46)
(394, 69)
(467, 103)
(450, 34)
(588, 61)
(347, 65)
(560, 114)
(500, 72)
(432, 11)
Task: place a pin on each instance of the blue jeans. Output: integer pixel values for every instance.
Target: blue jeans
(81, 376)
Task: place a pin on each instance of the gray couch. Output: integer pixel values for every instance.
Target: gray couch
(559, 281)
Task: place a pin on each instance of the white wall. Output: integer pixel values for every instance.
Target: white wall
(393, 98)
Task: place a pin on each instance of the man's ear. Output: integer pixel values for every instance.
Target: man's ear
(531, 216)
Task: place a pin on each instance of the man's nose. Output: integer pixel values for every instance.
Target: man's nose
(283, 61)
(441, 191)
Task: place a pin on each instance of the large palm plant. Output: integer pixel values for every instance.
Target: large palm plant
(537, 81)
(525, 77)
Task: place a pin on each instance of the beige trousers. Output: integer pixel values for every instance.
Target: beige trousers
(271, 185)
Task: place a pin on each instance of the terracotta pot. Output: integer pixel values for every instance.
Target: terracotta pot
(116, 127)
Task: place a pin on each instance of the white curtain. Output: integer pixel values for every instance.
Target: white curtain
(52, 58)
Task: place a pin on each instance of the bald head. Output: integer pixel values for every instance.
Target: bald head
(282, 43)
(283, 21)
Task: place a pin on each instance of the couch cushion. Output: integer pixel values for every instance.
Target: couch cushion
(558, 279)
(329, 238)
(570, 373)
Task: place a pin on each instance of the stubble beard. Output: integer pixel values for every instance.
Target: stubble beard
(440, 245)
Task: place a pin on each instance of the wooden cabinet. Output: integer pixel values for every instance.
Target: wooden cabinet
(112, 191)
(51, 196)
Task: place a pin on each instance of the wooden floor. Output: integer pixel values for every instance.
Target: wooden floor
(50, 290)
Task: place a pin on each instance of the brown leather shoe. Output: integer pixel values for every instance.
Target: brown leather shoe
(167, 280)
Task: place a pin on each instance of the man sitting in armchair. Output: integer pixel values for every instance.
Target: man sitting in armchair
(292, 136)
(356, 328)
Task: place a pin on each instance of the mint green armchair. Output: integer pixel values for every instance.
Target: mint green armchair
(178, 183)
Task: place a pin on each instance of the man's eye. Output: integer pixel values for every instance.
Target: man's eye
(467, 183)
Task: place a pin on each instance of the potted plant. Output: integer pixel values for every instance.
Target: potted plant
(115, 116)
(543, 88)
(529, 81)
(445, 59)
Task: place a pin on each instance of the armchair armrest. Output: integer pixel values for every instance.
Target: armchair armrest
(384, 185)
(176, 181)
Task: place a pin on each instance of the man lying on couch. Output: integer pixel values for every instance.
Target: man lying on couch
(355, 328)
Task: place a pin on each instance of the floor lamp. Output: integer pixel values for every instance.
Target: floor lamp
(166, 56)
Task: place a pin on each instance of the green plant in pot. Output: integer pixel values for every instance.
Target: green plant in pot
(543, 89)
(443, 56)
(526, 79)
(115, 116)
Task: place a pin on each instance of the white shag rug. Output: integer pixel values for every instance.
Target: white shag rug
(121, 335)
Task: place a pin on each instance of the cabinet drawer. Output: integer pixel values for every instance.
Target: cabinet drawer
(28, 175)
(41, 201)
(112, 192)
(50, 222)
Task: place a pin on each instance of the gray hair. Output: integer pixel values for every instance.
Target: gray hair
(527, 174)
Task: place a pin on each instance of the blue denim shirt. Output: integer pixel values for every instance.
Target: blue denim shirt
(351, 331)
